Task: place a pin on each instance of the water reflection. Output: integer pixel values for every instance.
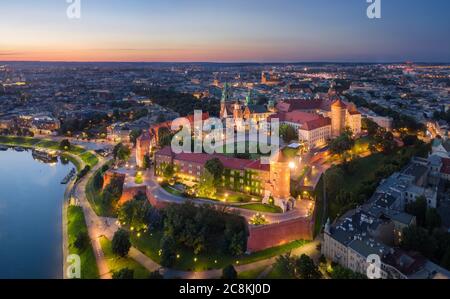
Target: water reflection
(30, 215)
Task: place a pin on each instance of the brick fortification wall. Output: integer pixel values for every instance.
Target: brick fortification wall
(109, 175)
(267, 236)
(155, 202)
(129, 193)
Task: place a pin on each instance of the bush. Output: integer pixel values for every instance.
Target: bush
(123, 274)
(155, 275)
(83, 172)
(229, 272)
(121, 243)
(81, 241)
(168, 255)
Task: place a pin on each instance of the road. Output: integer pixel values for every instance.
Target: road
(301, 211)
(97, 226)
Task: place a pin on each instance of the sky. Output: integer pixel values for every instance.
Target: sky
(225, 31)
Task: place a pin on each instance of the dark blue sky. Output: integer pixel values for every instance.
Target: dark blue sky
(226, 30)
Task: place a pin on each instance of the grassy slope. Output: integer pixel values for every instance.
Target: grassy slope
(262, 208)
(76, 224)
(95, 199)
(149, 244)
(116, 263)
(87, 157)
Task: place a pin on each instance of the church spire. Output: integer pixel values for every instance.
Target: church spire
(225, 93)
(249, 98)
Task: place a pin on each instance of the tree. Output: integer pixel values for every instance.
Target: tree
(286, 264)
(134, 135)
(288, 133)
(124, 273)
(65, 145)
(147, 162)
(340, 272)
(418, 239)
(229, 272)
(155, 275)
(215, 167)
(370, 126)
(169, 171)
(168, 247)
(432, 219)
(98, 180)
(207, 185)
(343, 143)
(164, 137)
(121, 152)
(161, 118)
(113, 191)
(81, 241)
(306, 269)
(418, 208)
(121, 243)
(410, 140)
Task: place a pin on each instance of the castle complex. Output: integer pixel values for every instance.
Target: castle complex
(316, 121)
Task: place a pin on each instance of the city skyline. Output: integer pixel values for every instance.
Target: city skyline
(225, 31)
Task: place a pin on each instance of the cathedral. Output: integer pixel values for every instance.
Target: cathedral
(247, 110)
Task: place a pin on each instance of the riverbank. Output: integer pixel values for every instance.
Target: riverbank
(72, 222)
(88, 158)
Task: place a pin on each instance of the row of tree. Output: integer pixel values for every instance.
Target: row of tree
(427, 237)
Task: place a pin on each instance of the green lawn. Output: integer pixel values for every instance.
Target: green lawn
(367, 170)
(73, 160)
(172, 190)
(49, 144)
(116, 263)
(75, 225)
(251, 274)
(89, 158)
(149, 244)
(18, 141)
(259, 207)
(278, 273)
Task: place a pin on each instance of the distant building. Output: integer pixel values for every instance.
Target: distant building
(269, 79)
(343, 115)
(382, 121)
(247, 110)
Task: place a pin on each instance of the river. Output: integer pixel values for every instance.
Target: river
(31, 197)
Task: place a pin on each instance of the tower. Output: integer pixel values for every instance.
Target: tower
(248, 98)
(271, 106)
(237, 113)
(338, 114)
(280, 177)
(224, 100)
(143, 145)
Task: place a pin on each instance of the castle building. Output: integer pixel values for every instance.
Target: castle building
(272, 182)
(149, 139)
(342, 115)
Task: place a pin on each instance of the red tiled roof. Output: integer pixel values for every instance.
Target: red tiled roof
(308, 121)
(228, 162)
(256, 165)
(299, 104)
(298, 117)
(166, 151)
(445, 166)
(317, 123)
